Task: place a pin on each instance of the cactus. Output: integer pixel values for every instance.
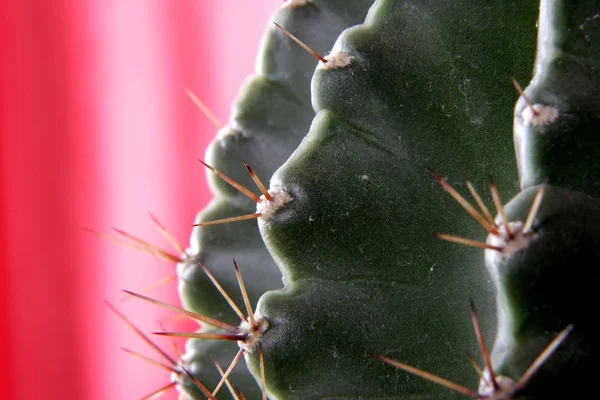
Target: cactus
(269, 119)
(419, 85)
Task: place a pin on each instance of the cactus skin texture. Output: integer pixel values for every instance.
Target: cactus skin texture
(428, 85)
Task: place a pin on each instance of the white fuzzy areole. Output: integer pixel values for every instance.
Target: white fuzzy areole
(540, 115)
(178, 384)
(188, 258)
(510, 246)
(267, 208)
(336, 60)
(506, 389)
(253, 336)
(227, 132)
(177, 376)
(294, 3)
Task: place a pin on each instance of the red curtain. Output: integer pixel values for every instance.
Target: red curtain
(96, 130)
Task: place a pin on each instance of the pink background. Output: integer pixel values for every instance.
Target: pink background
(95, 130)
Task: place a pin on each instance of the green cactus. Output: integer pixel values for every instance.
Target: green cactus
(357, 245)
(418, 85)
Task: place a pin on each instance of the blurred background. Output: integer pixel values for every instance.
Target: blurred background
(95, 131)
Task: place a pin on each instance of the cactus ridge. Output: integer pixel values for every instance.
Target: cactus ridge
(364, 271)
(539, 287)
(563, 149)
(268, 121)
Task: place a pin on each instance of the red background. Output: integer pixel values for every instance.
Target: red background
(95, 130)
